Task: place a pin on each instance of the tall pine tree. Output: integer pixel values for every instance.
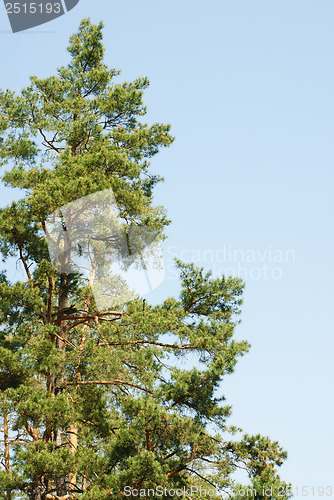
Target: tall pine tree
(99, 404)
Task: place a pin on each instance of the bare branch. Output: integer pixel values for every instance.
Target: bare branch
(202, 477)
(64, 340)
(49, 143)
(24, 263)
(161, 344)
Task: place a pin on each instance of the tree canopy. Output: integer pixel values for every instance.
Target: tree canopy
(100, 404)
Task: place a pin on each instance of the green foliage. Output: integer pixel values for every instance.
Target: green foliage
(97, 401)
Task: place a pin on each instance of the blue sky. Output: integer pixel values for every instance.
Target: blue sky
(247, 87)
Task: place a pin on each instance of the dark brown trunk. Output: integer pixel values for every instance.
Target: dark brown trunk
(61, 481)
(6, 442)
(38, 490)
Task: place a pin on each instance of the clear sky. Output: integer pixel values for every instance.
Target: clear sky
(248, 88)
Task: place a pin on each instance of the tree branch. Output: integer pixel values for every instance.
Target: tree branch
(183, 466)
(136, 342)
(49, 143)
(199, 475)
(109, 382)
(24, 262)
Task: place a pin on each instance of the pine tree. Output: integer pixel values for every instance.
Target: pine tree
(101, 404)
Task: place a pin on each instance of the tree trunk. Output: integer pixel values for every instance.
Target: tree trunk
(61, 481)
(72, 478)
(38, 489)
(6, 442)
